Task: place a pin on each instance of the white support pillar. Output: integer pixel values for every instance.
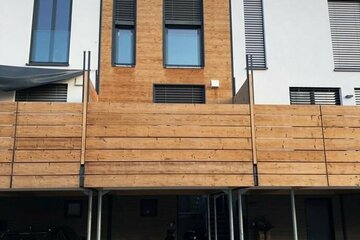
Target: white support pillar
(90, 204)
(241, 215)
(231, 214)
(99, 213)
(293, 210)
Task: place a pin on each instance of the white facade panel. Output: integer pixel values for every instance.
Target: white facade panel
(298, 51)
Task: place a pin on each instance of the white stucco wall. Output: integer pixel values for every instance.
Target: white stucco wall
(298, 51)
(15, 35)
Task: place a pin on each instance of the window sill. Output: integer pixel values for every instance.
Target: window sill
(183, 67)
(124, 65)
(347, 70)
(47, 64)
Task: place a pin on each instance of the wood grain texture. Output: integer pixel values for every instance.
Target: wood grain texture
(47, 156)
(292, 180)
(48, 169)
(188, 109)
(166, 143)
(105, 168)
(119, 84)
(167, 119)
(5, 182)
(167, 180)
(45, 182)
(168, 155)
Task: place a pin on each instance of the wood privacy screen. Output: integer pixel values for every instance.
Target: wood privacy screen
(173, 145)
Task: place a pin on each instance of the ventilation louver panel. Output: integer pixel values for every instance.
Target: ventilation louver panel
(345, 33)
(254, 32)
(357, 96)
(187, 12)
(321, 96)
(179, 94)
(124, 12)
(45, 93)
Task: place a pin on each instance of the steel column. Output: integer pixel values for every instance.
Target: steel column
(231, 214)
(293, 210)
(99, 213)
(241, 215)
(90, 208)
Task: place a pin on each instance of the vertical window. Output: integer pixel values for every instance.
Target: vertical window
(345, 33)
(311, 96)
(183, 33)
(357, 96)
(124, 32)
(51, 31)
(254, 32)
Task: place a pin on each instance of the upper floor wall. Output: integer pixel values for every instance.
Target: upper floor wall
(133, 80)
(298, 51)
(19, 30)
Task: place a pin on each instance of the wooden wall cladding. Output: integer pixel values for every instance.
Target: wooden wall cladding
(47, 147)
(135, 84)
(148, 145)
(342, 142)
(7, 130)
(290, 146)
(178, 145)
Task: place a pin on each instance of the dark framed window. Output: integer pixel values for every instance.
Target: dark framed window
(45, 93)
(179, 93)
(183, 33)
(50, 41)
(345, 34)
(254, 32)
(357, 96)
(124, 34)
(312, 96)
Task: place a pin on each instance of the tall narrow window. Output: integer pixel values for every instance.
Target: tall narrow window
(311, 96)
(357, 96)
(345, 33)
(124, 32)
(254, 32)
(51, 32)
(183, 39)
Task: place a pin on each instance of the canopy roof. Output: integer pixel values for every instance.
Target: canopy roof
(17, 78)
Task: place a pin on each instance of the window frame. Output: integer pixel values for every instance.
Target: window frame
(34, 18)
(185, 25)
(123, 25)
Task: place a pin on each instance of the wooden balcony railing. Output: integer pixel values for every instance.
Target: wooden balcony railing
(156, 145)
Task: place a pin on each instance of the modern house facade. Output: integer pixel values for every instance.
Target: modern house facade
(191, 119)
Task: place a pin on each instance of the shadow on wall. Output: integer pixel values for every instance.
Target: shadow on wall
(242, 96)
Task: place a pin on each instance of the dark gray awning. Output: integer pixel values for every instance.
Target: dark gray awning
(17, 78)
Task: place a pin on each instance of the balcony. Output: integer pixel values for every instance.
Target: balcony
(47, 146)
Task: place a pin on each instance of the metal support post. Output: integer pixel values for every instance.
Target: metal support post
(293, 210)
(231, 214)
(241, 215)
(90, 208)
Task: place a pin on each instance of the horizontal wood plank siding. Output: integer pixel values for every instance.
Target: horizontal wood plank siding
(186, 145)
(7, 134)
(168, 145)
(48, 144)
(342, 143)
(290, 146)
